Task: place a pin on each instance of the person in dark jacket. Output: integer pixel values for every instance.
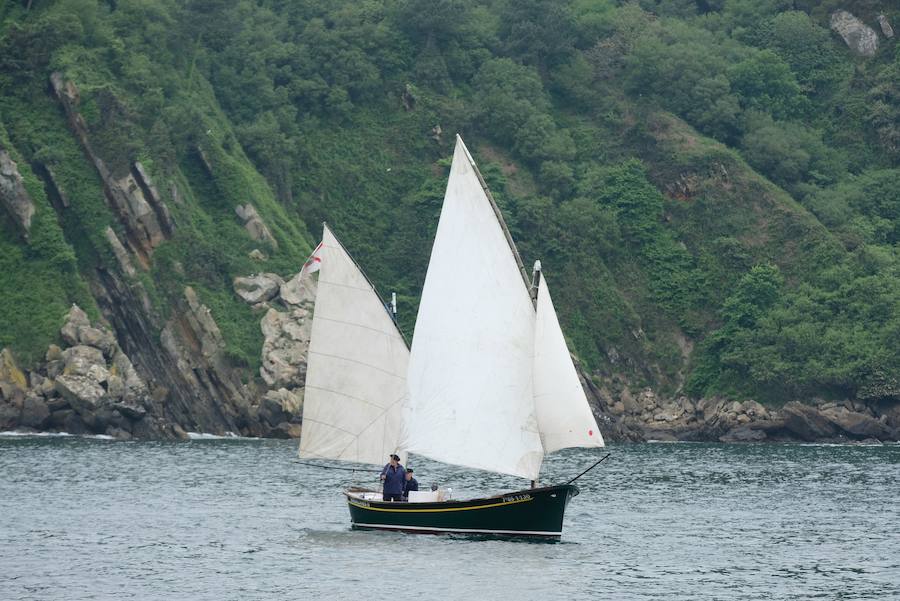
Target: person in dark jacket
(409, 484)
(393, 476)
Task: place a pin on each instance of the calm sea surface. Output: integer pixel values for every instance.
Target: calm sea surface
(241, 519)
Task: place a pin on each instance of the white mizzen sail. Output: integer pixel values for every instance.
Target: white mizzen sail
(356, 370)
(470, 372)
(563, 413)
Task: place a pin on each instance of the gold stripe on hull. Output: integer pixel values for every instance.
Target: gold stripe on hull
(440, 509)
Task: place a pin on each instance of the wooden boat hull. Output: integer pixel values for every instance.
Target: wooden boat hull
(533, 512)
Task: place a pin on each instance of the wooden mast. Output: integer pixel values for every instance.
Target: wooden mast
(531, 284)
(499, 215)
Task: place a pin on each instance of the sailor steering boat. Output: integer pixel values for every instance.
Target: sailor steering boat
(488, 383)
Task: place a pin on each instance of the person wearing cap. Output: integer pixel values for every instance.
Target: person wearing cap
(409, 483)
(393, 477)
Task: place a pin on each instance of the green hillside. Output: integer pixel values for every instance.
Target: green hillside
(713, 186)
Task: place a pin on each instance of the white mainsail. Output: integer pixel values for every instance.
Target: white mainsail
(356, 369)
(470, 372)
(563, 413)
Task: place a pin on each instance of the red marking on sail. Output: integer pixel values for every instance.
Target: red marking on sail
(314, 262)
(590, 432)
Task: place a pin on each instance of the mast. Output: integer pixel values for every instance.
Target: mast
(374, 289)
(535, 282)
(533, 291)
(499, 215)
(470, 371)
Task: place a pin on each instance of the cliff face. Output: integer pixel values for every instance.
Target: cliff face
(154, 361)
(13, 195)
(183, 357)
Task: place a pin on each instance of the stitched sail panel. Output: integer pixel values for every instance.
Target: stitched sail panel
(356, 369)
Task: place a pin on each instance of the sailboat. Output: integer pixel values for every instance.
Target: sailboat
(488, 384)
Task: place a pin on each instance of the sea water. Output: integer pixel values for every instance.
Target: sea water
(244, 519)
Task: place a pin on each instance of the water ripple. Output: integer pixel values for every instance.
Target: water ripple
(235, 518)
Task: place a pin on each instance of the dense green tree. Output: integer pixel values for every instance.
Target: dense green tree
(538, 32)
(763, 82)
(789, 152)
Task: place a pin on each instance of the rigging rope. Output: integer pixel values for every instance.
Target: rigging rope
(334, 467)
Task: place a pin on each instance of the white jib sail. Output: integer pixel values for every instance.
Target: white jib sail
(471, 401)
(563, 413)
(356, 370)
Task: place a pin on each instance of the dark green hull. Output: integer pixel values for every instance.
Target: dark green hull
(533, 512)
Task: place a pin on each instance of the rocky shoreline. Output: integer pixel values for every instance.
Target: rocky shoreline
(646, 417)
(91, 386)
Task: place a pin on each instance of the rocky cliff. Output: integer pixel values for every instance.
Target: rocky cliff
(90, 385)
(142, 368)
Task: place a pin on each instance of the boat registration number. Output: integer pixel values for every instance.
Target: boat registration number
(513, 498)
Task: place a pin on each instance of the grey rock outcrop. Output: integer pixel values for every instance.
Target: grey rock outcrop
(298, 291)
(13, 382)
(203, 325)
(119, 251)
(885, 25)
(281, 406)
(90, 386)
(254, 224)
(259, 287)
(83, 360)
(135, 210)
(858, 425)
(75, 320)
(84, 393)
(285, 347)
(806, 422)
(286, 328)
(858, 36)
(194, 339)
(13, 195)
(613, 426)
(34, 412)
(194, 343)
(96, 373)
(79, 331)
(743, 434)
(124, 378)
(286, 430)
(132, 197)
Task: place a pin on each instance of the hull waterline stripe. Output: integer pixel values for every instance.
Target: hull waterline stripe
(462, 530)
(392, 510)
